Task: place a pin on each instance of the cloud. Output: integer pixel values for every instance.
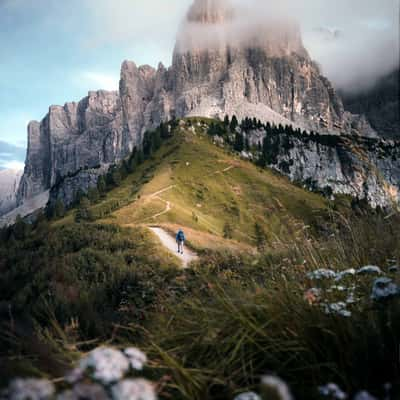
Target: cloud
(97, 80)
(355, 42)
(11, 156)
(13, 164)
(10, 150)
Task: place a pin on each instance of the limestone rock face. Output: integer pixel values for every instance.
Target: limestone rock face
(222, 64)
(364, 168)
(75, 137)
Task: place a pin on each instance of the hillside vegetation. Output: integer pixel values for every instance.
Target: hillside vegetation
(95, 274)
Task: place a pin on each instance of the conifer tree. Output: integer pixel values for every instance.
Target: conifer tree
(234, 124)
(101, 185)
(226, 121)
(239, 142)
(59, 209)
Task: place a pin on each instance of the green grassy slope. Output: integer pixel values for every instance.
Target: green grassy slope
(192, 183)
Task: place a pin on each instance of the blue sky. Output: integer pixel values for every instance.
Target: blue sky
(55, 51)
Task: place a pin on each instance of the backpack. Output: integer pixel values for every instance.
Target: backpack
(181, 236)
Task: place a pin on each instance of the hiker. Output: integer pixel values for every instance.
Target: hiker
(180, 239)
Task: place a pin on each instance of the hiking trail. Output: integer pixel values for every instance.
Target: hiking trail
(169, 242)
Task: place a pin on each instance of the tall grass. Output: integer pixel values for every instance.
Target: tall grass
(213, 330)
(250, 317)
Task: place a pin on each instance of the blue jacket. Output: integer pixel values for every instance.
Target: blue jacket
(180, 236)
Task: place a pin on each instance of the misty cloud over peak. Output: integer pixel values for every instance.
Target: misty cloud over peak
(213, 25)
(354, 42)
(210, 11)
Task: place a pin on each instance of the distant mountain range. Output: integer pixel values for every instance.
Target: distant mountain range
(380, 104)
(9, 183)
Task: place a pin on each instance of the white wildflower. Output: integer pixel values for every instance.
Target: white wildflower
(345, 313)
(30, 389)
(322, 274)
(351, 298)
(275, 385)
(342, 274)
(338, 308)
(133, 389)
(248, 396)
(364, 396)
(337, 288)
(369, 269)
(384, 288)
(136, 358)
(333, 391)
(104, 364)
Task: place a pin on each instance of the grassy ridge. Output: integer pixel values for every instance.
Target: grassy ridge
(204, 187)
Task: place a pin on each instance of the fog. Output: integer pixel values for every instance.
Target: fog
(354, 41)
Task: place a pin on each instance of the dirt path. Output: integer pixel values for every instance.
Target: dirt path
(156, 194)
(169, 242)
(167, 208)
(222, 170)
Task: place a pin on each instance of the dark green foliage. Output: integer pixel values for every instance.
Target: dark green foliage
(83, 211)
(102, 185)
(226, 121)
(234, 124)
(99, 274)
(151, 142)
(55, 210)
(216, 129)
(247, 144)
(140, 156)
(239, 142)
(59, 209)
(115, 176)
(93, 195)
(165, 131)
(78, 196)
(133, 161)
(270, 150)
(21, 229)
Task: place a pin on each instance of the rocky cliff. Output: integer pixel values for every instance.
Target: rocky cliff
(222, 65)
(364, 168)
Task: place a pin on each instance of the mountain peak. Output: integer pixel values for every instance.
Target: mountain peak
(210, 11)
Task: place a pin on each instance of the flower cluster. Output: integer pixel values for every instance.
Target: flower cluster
(103, 374)
(382, 288)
